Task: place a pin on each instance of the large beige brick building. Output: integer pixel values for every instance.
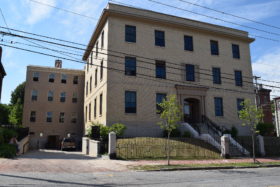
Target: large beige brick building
(136, 57)
(53, 104)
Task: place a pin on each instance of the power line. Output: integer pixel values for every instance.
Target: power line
(229, 14)
(215, 18)
(266, 38)
(168, 72)
(152, 59)
(62, 9)
(211, 75)
(144, 76)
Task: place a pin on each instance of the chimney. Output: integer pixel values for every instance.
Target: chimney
(58, 64)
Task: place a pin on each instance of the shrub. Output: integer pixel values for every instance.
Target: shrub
(118, 128)
(234, 132)
(265, 129)
(7, 151)
(174, 133)
(6, 135)
(186, 134)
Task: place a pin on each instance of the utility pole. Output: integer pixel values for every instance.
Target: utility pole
(257, 89)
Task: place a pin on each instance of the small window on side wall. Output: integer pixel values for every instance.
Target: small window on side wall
(159, 98)
(159, 38)
(36, 76)
(130, 102)
(214, 47)
(130, 33)
(75, 79)
(188, 43)
(235, 51)
(63, 78)
(51, 77)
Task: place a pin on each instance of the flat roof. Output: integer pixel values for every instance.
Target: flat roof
(148, 15)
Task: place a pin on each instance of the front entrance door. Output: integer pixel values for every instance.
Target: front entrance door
(191, 110)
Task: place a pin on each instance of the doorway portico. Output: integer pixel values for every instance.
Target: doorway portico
(192, 100)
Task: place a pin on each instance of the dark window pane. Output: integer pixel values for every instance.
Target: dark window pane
(100, 104)
(74, 100)
(219, 106)
(238, 78)
(235, 51)
(160, 70)
(214, 47)
(190, 74)
(159, 38)
(159, 98)
(188, 43)
(75, 80)
(216, 75)
(130, 66)
(130, 33)
(239, 104)
(33, 116)
(130, 102)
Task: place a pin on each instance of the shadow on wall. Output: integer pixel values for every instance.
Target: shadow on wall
(52, 154)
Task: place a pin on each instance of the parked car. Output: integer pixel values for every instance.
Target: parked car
(68, 143)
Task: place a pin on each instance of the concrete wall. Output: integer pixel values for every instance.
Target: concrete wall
(94, 148)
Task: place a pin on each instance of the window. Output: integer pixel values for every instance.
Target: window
(160, 70)
(95, 81)
(188, 41)
(100, 104)
(130, 33)
(102, 39)
(75, 80)
(159, 98)
(51, 77)
(49, 117)
(130, 102)
(96, 50)
(34, 95)
(235, 51)
(74, 118)
(87, 65)
(101, 70)
(50, 96)
(86, 114)
(94, 110)
(36, 76)
(32, 116)
(63, 78)
(238, 78)
(190, 74)
(219, 106)
(239, 103)
(74, 98)
(130, 66)
(159, 38)
(61, 117)
(87, 88)
(63, 97)
(90, 84)
(216, 75)
(89, 112)
(214, 47)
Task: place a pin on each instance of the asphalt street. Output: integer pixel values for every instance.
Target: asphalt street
(236, 177)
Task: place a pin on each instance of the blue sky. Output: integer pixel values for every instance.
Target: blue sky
(33, 17)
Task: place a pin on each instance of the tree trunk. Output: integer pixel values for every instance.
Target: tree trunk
(253, 143)
(168, 149)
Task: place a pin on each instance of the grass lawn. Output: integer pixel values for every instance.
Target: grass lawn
(235, 165)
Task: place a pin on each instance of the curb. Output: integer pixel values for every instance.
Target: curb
(213, 168)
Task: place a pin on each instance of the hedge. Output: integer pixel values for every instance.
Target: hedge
(155, 148)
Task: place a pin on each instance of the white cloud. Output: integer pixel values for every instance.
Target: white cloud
(39, 12)
(267, 67)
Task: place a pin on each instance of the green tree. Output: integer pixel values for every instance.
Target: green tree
(251, 115)
(171, 115)
(15, 116)
(4, 111)
(18, 94)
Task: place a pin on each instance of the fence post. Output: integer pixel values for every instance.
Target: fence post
(225, 146)
(112, 145)
(261, 145)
